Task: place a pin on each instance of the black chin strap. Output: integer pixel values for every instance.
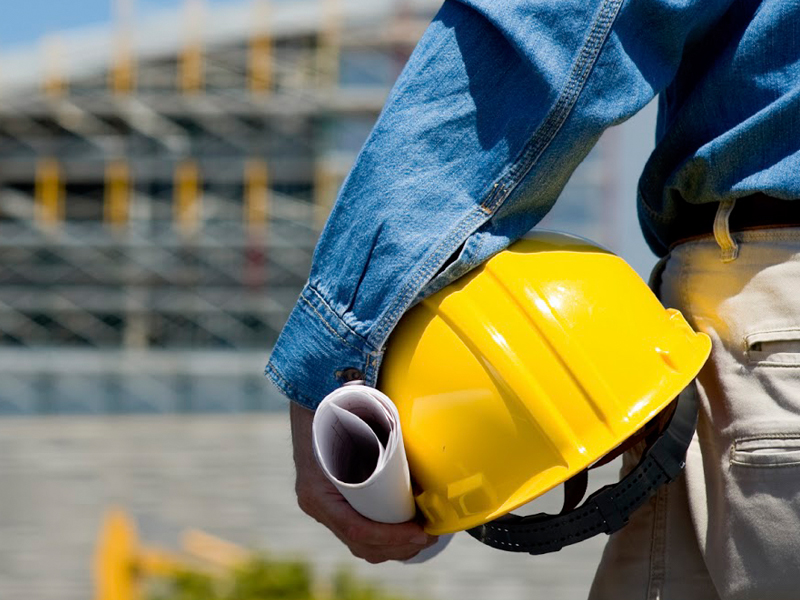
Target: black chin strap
(608, 509)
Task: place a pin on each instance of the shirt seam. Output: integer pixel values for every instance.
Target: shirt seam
(651, 212)
(329, 326)
(500, 190)
(286, 386)
(554, 121)
(411, 289)
(326, 324)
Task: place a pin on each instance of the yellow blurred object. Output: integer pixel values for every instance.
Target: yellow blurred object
(121, 562)
(122, 74)
(256, 176)
(190, 69)
(212, 549)
(329, 49)
(115, 559)
(54, 84)
(49, 193)
(187, 197)
(117, 194)
(259, 58)
(326, 186)
(526, 371)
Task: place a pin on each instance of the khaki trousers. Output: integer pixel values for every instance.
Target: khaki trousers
(729, 527)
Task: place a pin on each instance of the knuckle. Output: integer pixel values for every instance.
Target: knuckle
(359, 552)
(403, 553)
(375, 556)
(374, 560)
(408, 555)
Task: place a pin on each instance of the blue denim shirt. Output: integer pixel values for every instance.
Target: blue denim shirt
(499, 103)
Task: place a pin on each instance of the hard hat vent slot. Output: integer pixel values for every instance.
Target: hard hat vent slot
(469, 496)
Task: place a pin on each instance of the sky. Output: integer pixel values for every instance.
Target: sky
(29, 20)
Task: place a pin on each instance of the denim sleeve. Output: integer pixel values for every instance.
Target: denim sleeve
(497, 106)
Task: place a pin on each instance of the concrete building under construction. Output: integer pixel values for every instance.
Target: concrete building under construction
(162, 185)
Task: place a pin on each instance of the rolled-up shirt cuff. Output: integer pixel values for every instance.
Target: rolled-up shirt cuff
(317, 352)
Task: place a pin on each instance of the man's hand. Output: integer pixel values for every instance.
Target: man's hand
(374, 542)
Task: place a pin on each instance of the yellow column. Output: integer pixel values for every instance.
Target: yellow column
(54, 83)
(122, 74)
(187, 201)
(49, 194)
(330, 41)
(122, 563)
(115, 556)
(190, 66)
(256, 199)
(117, 194)
(259, 66)
(326, 187)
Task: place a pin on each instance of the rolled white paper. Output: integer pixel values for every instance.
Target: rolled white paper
(359, 446)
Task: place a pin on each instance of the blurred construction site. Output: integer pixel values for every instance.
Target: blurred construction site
(163, 180)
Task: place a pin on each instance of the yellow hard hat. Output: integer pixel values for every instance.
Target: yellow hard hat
(528, 370)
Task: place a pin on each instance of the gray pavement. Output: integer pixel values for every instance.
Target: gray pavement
(231, 476)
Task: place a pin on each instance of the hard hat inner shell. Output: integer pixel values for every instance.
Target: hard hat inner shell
(526, 371)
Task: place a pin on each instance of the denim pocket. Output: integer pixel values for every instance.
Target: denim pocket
(778, 348)
(769, 451)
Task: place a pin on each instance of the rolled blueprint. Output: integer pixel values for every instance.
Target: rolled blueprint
(359, 446)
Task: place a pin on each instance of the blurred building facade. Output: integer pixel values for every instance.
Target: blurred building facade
(163, 183)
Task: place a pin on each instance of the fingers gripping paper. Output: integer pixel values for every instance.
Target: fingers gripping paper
(359, 446)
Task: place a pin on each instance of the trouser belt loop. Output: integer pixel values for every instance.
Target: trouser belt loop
(722, 231)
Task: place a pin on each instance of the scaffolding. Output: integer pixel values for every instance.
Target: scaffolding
(167, 204)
